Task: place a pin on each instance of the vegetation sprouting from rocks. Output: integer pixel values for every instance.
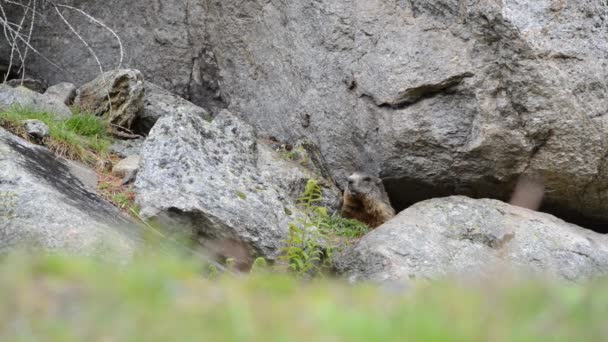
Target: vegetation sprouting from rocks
(313, 236)
(82, 137)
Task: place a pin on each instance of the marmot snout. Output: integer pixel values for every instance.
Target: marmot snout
(366, 200)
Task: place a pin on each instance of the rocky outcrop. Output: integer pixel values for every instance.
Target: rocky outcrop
(64, 92)
(463, 237)
(44, 205)
(116, 95)
(441, 97)
(21, 96)
(159, 102)
(215, 179)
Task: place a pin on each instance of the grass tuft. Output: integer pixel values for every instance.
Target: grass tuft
(82, 137)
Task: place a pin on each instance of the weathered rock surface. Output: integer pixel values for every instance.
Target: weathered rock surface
(29, 83)
(215, 179)
(126, 166)
(440, 97)
(64, 92)
(125, 148)
(159, 102)
(116, 95)
(26, 98)
(43, 204)
(36, 129)
(466, 237)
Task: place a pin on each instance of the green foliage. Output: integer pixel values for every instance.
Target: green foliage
(86, 125)
(259, 265)
(82, 137)
(293, 154)
(305, 255)
(161, 297)
(340, 226)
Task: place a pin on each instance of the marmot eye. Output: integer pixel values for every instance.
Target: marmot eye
(367, 179)
(350, 182)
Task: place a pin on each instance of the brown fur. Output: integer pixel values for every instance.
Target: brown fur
(367, 203)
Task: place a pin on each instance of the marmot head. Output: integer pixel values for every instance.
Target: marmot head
(364, 185)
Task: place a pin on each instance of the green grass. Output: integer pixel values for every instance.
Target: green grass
(82, 137)
(161, 298)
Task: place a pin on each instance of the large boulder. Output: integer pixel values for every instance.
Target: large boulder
(45, 205)
(116, 95)
(215, 179)
(464, 237)
(26, 98)
(159, 102)
(438, 97)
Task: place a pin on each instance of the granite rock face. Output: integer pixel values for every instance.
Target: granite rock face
(438, 97)
(216, 180)
(45, 205)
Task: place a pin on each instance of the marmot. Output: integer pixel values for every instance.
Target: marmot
(366, 200)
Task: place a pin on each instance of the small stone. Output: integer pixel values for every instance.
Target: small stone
(32, 100)
(36, 129)
(127, 166)
(64, 92)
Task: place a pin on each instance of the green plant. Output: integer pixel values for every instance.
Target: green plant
(294, 154)
(81, 137)
(305, 255)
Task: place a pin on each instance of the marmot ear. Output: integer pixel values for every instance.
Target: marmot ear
(378, 181)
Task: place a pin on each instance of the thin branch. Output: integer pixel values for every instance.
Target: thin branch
(93, 19)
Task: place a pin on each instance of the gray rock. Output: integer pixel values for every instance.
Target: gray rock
(36, 129)
(43, 204)
(215, 179)
(159, 102)
(438, 97)
(125, 148)
(116, 95)
(64, 92)
(126, 166)
(29, 83)
(463, 237)
(26, 98)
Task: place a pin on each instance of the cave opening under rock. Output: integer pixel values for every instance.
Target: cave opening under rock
(404, 192)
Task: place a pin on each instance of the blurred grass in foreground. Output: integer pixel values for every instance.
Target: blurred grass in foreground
(164, 298)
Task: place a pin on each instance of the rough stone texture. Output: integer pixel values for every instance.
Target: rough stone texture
(438, 97)
(43, 204)
(64, 92)
(29, 99)
(116, 95)
(159, 102)
(466, 237)
(36, 129)
(215, 179)
(125, 148)
(126, 166)
(29, 83)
